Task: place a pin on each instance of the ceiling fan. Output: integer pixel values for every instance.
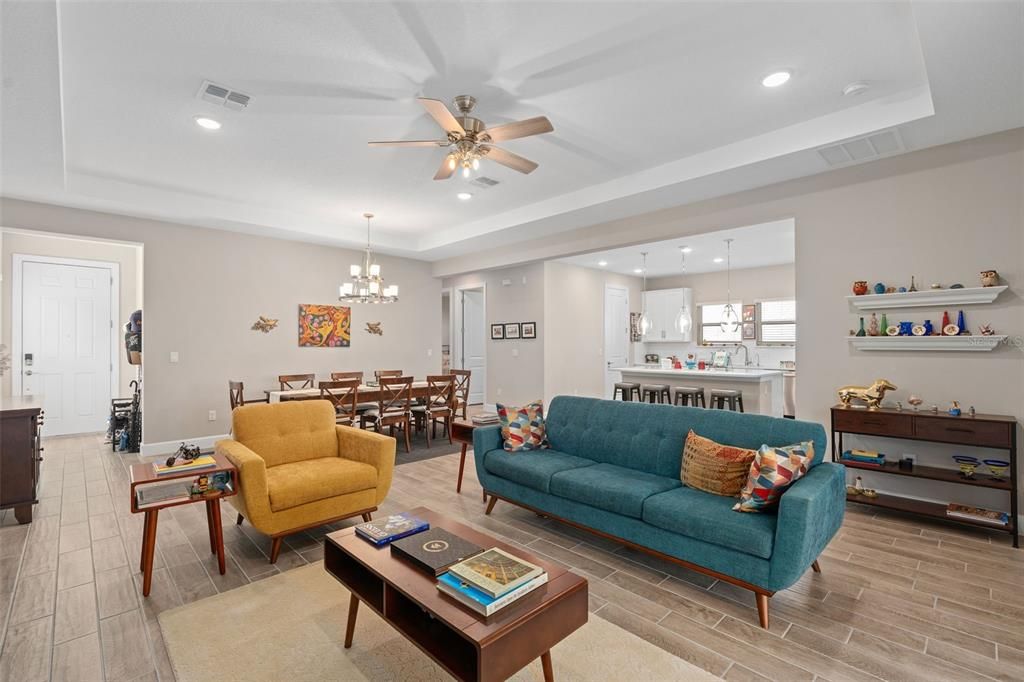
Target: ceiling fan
(471, 140)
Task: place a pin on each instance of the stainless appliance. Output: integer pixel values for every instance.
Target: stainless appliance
(788, 368)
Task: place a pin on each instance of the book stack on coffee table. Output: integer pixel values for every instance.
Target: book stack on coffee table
(491, 580)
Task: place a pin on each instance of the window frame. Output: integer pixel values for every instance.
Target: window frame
(759, 323)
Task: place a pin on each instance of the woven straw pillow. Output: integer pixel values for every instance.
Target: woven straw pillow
(713, 467)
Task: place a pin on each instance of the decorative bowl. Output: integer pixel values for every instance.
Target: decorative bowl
(967, 464)
(998, 467)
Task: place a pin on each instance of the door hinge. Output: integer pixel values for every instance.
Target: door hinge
(111, 324)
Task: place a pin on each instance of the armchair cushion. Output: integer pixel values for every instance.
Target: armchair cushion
(297, 483)
(287, 432)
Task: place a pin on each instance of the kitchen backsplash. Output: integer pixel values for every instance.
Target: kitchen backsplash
(763, 356)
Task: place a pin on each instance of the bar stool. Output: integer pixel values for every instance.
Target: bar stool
(688, 395)
(628, 391)
(655, 393)
(721, 396)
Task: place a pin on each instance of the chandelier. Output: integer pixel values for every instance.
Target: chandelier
(367, 285)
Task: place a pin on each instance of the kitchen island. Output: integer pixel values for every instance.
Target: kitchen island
(761, 388)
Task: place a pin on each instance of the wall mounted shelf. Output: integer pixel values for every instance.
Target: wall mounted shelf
(935, 298)
(944, 343)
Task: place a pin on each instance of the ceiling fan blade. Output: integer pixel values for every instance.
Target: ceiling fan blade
(411, 143)
(513, 161)
(440, 113)
(526, 128)
(444, 172)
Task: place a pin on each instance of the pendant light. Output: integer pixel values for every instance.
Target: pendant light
(683, 321)
(730, 322)
(367, 285)
(643, 323)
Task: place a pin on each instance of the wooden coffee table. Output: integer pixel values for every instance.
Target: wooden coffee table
(467, 645)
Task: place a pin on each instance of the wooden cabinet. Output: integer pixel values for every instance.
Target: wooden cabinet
(21, 423)
(662, 307)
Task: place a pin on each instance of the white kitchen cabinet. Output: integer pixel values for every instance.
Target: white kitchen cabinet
(662, 307)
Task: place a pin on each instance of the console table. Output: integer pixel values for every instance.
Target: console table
(982, 430)
(21, 423)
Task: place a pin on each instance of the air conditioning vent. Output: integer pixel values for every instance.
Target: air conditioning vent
(861, 149)
(484, 182)
(225, 97)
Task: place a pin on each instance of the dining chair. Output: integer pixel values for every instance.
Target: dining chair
(439, 405)
(461, 390)
(302, 381)
(236, 394)
(339, 376)
(378, 373)
(343, 395)
(394, 402)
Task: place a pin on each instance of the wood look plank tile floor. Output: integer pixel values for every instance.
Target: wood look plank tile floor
(899, 598)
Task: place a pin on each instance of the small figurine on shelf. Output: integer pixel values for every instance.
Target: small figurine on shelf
(879, 288)
(872, 395)
(913, 284)
(906, 328)
(890, 290)
(914, 401)
(860, 332)
(899, 406)
(971, 411)
(961, 324)
(935, 286)
(873, 325)
(986, 330)
(860, 287)
(956, 286)
(935, 409)
(989, 278)
(902, 290)
(954, 409)
(200, 485)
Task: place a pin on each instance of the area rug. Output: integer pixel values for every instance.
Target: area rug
(291, 627)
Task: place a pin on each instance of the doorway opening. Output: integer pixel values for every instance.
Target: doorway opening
(67, 299)
(469, 336)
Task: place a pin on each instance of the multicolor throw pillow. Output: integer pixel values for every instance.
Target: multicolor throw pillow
(522, 428)
(772, 472)
(713, 467)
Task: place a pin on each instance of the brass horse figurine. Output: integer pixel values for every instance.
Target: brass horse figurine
(872, 395)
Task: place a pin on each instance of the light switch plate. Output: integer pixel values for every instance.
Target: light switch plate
(174, 356)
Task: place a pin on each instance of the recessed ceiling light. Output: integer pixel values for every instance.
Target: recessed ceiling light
(774, 80)
(465, 196)
(602, 263)
(686, 249)
(718, 260)
(206, 122)
(855, 88)
(638, 271)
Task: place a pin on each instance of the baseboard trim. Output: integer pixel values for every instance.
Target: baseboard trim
(170, 446)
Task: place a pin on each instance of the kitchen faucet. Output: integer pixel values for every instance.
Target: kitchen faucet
(746, 353)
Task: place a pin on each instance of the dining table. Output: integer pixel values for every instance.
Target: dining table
(367, 393)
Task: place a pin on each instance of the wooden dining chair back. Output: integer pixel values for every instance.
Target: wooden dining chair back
(343, 394)
(394, 404)
(290, 382)
(236, 395)
(461, 390)
(439, 407)
(341, 376)
(378, 374)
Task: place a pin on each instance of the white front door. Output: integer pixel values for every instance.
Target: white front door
(65, 349)
(474, 335)
(616, 334)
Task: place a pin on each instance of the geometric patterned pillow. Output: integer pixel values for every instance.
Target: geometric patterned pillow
(522, 428)
(713, 467)
(771, 473)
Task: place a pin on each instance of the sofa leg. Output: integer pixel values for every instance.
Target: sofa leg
(762, 609)
(366, 517)
(239, 520)
(816, 567)
(490, 505)
(275, 549)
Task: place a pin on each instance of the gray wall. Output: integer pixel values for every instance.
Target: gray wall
(204, 289)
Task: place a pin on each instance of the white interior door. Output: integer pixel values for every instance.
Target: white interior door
(474, 340)
(616, 334)
(65, 352)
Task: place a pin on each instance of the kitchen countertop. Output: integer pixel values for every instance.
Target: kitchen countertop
(732, 374)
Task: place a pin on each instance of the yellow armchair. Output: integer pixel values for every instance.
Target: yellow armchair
(298, 469)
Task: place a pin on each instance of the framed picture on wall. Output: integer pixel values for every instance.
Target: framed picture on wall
(749, 311)
(749, 332)
(529, 330)
(497, 332)
(512, 330)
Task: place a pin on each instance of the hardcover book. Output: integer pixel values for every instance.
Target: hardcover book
(963, 511)
(391, 528)
(495, 572)
(482, 603)
(201, 462)
(434, 550)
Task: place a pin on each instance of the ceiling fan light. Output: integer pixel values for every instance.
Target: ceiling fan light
(451, 162)
(476, 164)
(465, 171)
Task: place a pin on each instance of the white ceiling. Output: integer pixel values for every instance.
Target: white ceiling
(754, 246)
(654, 104)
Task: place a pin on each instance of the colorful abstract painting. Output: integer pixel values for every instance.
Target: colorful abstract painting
(325, 326)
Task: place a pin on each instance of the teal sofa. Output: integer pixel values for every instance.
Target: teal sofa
(614, 468)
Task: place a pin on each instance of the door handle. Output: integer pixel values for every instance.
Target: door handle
(28, 372)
